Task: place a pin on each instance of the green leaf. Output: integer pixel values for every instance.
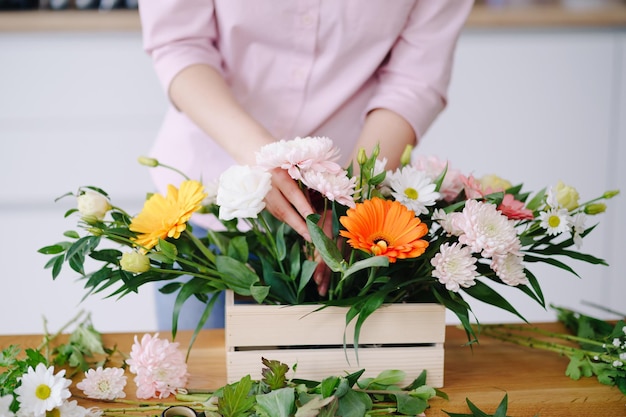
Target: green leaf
(274, 375)
(236, 275)
(328, 386)
(486, 294)
(326, 247)
(372, 262)
(281, 247)
(502, 407)
(409, 405)
(54, 249)
(313, 406)
(238, 249)
(389, 377)
(168, 249)
(235, 401)
(259, 293)
(277, 403)
(354, 404)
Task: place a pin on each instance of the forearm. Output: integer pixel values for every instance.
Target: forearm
(389, 130)
(201, 93)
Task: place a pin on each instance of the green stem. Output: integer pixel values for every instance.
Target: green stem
(201, 246)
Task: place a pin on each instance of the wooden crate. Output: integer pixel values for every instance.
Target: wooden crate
(408, 337)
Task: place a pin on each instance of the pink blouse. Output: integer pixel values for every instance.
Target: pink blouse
(302, 67)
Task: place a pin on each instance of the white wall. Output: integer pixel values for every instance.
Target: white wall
(78, 108)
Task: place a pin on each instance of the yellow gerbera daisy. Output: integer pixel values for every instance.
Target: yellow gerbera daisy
(384, 227)
(163, 217)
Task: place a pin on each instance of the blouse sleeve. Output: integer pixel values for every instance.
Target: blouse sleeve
(414, 80)
(177, 34)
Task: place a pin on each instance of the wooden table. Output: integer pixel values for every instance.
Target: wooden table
(534, 380)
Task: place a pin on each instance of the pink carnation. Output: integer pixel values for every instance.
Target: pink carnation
(159, 367)
(515, 209)
(300, 154)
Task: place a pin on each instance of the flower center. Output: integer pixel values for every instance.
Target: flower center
(104, 386)
(42, 392)
(411, 193)
(379, 247)
(554, 221)
(53, 413)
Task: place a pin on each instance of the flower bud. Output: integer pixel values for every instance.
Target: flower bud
(405, 159)
(610, 194)
(149, 162)
(92, 206)
(96, 231)
(361, 157)
(135, 262)
(595, 208)
(376, 151)
(566, 196)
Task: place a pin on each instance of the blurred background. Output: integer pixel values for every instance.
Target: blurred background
(538, 95)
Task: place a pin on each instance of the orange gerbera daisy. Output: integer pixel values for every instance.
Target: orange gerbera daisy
(384, 227)
(163, 217)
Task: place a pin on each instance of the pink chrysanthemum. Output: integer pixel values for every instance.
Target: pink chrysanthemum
(455, 267)
(510, 269)
(515, 209)
(485, 230)
(335, 187)
(300, 154)
(104, 384)
(159, 367)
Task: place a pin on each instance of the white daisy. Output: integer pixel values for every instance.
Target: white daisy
(41, 390)
(5, 403)
(334, 187)
(413, 188)
(103, 384)
(555, 221)
(71, 409)
(300, 154)
(578, 227)
(455, 266)
(485, 230)
(510, 269)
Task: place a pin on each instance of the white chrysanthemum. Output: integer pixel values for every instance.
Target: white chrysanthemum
(103, 384)
(510, 269)
(41, 390)
(335, 187)
(555, 221)
(300, 154)
(455, 267)
(579, 227)
(486, 231)
(413, 188)
(5, 403)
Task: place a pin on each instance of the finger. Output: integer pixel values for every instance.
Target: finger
(289, 188)
(277, 204)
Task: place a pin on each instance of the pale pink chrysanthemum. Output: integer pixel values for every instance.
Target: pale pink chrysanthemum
(103, 384)
(159, 367)
(455, 267)
(452, 183)
(446, 221)
(486, 231)
(510, 269)
(335, 187)
(316, 153)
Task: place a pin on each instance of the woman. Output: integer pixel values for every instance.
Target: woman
(242, 73)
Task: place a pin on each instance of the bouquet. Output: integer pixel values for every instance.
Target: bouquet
(420, 233)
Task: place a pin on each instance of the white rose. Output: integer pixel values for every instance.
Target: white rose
(135, 262)
(92, 205)
(241, 192)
